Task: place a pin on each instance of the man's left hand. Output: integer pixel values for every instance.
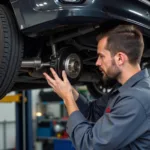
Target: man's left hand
(62, 87)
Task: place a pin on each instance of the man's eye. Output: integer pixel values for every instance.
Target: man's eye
(100, 56)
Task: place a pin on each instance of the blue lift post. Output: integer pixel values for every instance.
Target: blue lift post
(24, 128)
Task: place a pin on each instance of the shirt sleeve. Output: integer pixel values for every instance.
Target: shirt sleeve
(92, 110)
(113, 130)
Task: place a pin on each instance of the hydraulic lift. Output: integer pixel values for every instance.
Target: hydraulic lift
(24, 130)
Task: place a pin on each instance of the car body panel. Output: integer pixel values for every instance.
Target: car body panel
(40, 15)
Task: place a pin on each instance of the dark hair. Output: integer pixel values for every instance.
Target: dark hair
(127, 39)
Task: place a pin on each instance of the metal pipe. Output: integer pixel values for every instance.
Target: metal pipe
(54, 50)
(31, 63)
(36, 63)
(80, 31)
(29, 128)
(24, 121)
(4, 135)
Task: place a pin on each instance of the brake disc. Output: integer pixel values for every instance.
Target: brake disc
(70, 61)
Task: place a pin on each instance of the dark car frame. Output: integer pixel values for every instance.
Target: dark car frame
(38, 34)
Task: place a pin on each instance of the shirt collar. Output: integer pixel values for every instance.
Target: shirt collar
(134, 79)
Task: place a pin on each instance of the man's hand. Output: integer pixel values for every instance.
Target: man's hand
(64, 89)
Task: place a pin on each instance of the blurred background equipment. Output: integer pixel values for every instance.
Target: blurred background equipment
(35, 120)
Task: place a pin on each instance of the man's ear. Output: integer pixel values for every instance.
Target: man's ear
(121, 58)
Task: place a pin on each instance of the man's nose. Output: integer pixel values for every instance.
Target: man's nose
(98, 63)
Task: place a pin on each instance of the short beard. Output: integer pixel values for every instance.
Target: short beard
(110, 81)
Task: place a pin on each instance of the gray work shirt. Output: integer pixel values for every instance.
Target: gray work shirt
(119, 120)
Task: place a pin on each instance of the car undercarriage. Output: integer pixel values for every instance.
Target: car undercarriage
(38, 34)
(73, 50)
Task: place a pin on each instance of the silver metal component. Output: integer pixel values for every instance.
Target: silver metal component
(73, 65)
(36, 63)
(53, 49)
(53, 46)
(4, 134)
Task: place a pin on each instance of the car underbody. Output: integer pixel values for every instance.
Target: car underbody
(62, 35)
(73, 49)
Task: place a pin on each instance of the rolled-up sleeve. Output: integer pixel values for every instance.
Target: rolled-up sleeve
(112, 131)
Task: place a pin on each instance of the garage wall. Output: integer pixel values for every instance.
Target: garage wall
(7, 113)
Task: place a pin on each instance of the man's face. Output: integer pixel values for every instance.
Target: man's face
(106, 62)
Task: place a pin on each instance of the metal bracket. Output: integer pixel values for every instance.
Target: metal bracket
(13, 99)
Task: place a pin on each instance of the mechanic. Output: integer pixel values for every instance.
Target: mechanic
(119, 120)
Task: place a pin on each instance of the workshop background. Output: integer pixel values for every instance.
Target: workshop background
(37, 121)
